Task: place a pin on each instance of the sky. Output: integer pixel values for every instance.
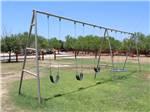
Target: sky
(130, 16)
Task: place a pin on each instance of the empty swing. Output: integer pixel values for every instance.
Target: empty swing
(114, 69)
(54, 77)
(79, 75)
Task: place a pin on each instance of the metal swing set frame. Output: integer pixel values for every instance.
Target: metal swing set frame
(33, 25)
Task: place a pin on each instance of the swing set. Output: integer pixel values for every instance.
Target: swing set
(55, 77)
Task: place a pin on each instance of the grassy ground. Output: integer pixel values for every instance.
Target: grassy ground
(125, 92)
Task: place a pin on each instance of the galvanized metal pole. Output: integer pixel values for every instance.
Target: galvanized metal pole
(100, 51)
(127, 55)
(110, 48)
(80, 22)
(137, 52)
(37, 61)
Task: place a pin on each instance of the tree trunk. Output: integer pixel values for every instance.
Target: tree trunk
(39, 57)
(58, 51)
(42, 55)
(95, 54)
(54, 55)
(9, 60)
(16, 56)
(75, 54)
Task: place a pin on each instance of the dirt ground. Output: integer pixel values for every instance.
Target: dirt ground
(6, 80)
(7, 77)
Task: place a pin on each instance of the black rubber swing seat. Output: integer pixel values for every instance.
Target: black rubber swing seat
(54, 80)
(97, 69)
(80, 76)
(119, 70)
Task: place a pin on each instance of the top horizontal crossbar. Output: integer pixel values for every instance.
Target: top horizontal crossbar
(88, 24)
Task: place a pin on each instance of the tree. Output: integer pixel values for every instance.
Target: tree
(42, 42)
(143, 43)
(141, 40)
(92, 44)
(147, 45)
(16, 45)
(55, 44)
(70, 43)
(11, 44)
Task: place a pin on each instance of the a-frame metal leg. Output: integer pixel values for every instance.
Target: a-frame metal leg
(137, 53)
(127, 55)
(37, 61)
(33, 23)
(100, 52)
(22, 73)
(25, 55)
(110, 48)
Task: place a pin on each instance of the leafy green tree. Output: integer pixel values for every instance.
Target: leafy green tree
(11, 44)
(143, 43)
(147, 45)
(54, 43)
(92, 43)
(42, 43)
(16, 46)
(70, 43)
(140, 39)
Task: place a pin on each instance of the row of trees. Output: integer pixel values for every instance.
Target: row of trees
(16, 43)
(89, 43)
(92, 43)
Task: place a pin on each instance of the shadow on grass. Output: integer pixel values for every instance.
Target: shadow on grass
(98, 83)
(111, 79)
